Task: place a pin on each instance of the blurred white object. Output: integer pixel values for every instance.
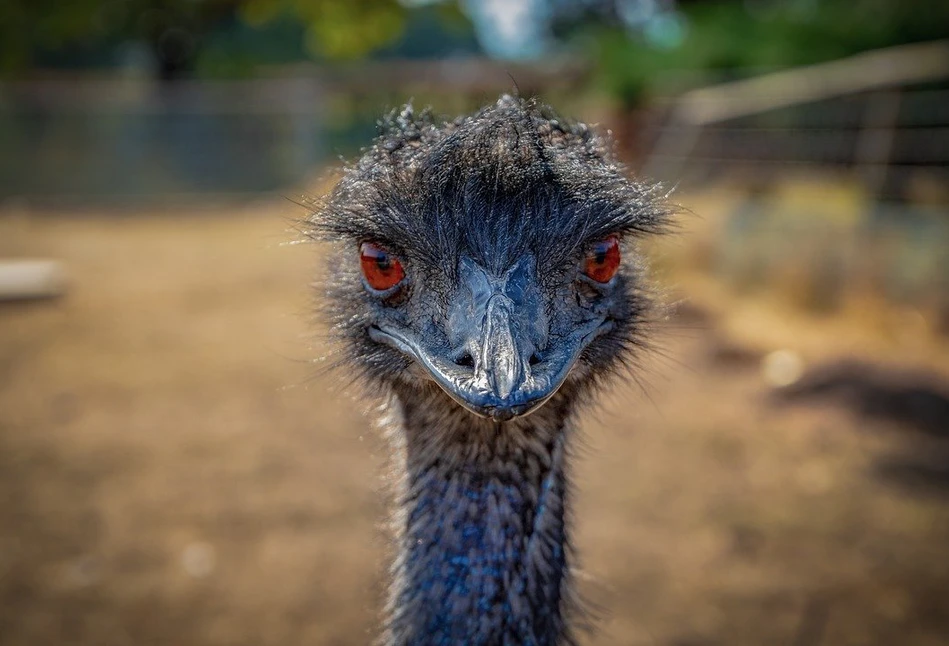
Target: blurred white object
(198, 559)
(29, 279)
(782, 368)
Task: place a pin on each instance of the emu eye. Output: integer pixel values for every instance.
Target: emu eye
(602, 261)
(382, 270)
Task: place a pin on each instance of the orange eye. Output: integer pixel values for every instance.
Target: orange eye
(602, 261)
(382, 270)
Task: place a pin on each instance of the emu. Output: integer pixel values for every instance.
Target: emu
(485, 282)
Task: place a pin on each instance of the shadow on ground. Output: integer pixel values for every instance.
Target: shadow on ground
(910, 401)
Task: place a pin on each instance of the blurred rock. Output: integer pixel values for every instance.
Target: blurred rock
(782, 368)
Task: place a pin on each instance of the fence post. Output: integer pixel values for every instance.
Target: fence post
(875, 142)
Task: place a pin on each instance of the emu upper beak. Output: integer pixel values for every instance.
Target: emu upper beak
(501, 362)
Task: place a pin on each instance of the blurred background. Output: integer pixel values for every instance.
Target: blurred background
(174, 467)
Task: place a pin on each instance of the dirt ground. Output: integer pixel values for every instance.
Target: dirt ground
(171, 472)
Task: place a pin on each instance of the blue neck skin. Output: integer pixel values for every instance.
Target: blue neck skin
(481, 535)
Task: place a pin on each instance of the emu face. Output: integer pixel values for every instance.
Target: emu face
(488, 255)
(500, 337)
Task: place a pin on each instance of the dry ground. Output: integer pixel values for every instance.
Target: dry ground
(170, 473)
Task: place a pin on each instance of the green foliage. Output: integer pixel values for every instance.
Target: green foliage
(338, 29)
(30, 25)
(217, 37)
(232, 37)
(84, 32)
(236, 49)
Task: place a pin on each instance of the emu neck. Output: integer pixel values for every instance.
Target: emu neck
(480, 530)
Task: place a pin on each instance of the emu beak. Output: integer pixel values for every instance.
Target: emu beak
(500, 366)
(500, 362)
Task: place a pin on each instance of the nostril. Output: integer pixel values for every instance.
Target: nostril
(534, 360)
(465, 360)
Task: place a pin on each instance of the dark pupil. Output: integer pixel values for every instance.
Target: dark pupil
(600, 256)
(382, 262)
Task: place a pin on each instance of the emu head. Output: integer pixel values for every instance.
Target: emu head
(488, 259)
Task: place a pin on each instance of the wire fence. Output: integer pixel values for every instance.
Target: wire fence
(889, 140)
(107, 141)
(840, 197)
(114, 140)
(79, 139)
